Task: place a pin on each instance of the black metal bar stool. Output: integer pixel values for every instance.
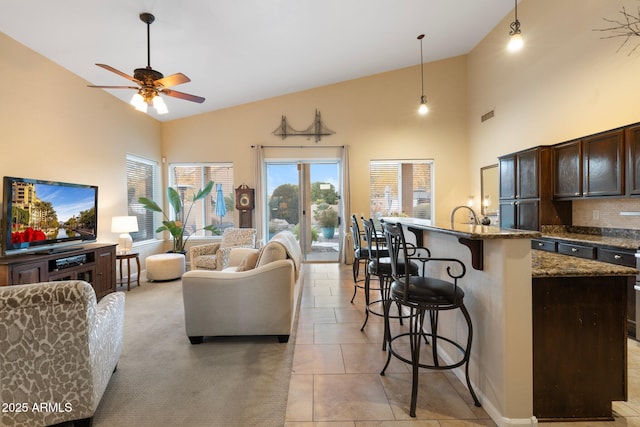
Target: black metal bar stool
(360, 254)
(422, 295)
(380, 266)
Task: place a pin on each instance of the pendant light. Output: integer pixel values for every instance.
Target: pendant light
(515, 42)
(423, 109)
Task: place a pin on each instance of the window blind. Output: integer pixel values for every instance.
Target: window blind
(141, 182)
(188, 179)
(401, 187)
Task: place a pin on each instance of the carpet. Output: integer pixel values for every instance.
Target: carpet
(163, 380)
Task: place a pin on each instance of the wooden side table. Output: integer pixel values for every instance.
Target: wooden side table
(128, 256)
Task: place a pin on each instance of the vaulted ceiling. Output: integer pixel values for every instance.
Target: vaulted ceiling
(241, 51)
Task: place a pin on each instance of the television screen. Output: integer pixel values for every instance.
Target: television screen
(44, 215)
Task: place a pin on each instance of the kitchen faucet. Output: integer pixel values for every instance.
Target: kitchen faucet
(473, 214)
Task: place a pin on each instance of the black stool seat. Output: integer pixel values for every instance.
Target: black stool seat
(429, 290)
(383, 266)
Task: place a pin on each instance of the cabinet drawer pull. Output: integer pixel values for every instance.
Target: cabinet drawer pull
(616, 256)
(540, 244)
(574, 249)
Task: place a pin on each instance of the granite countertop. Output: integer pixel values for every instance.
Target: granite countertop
(551, 264)
(607, 241)
(469, 231)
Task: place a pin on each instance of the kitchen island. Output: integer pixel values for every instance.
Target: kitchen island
(505, 289)
(579, 337)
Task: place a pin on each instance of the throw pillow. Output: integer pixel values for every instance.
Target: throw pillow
(248, 262)
(272, 251)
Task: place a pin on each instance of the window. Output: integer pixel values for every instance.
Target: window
(401, 187)
(142, 178)
(191, 177)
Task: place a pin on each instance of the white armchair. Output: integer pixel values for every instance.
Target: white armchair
(58, 348)
(214, 256)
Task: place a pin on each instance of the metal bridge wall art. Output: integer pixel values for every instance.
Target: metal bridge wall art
(317, 129)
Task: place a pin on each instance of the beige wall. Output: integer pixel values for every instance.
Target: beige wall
(375, 116)
(567, 82)
(55, 128)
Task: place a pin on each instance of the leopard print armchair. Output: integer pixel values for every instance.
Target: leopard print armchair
(58, 350)
(215, 256)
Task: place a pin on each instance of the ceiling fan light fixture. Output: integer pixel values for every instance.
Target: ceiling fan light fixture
(137, 100)
(159, 105)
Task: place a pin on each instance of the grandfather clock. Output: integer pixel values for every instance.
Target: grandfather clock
(245, 204)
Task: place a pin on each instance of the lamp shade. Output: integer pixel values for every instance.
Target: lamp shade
(124, 225)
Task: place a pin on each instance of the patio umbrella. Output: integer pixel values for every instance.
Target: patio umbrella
(221, 209)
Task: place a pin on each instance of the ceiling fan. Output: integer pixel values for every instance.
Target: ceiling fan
(151, 83)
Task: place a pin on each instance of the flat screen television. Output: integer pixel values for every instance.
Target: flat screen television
(48, 216)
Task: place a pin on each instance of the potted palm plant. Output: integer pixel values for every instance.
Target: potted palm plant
(176, 227)
(327, 218)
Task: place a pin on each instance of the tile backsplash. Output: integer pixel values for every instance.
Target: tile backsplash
(605, 213)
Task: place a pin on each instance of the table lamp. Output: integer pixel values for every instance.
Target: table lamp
(124, 225)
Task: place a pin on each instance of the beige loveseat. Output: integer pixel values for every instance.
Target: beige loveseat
(257, 301)
(58, 350)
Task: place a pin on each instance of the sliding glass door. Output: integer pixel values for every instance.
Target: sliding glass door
(304, 197)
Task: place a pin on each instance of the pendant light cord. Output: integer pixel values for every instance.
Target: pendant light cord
(421, 68)
(420, 37)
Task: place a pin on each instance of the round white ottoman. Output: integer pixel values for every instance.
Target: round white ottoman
(165, 266)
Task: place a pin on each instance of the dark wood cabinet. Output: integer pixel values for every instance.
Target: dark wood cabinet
(580, 251)
(526, 191)
(567, 169)
(528, 174)
(105, 271)
(27, 273)
(604, 254)
(507, 167)
(544, 245)
(521, 214)
(519, 194)
(579, 347)
(507, 211)
(528, 214)
(589, 167)
(603, 166)
(632, 142)
(93, 263)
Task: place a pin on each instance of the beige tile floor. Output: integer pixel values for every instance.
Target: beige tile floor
(336, 381)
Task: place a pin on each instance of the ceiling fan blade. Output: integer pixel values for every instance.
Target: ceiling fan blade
(118, 72)
(173, 80)
(114, 87)
(182, 95)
